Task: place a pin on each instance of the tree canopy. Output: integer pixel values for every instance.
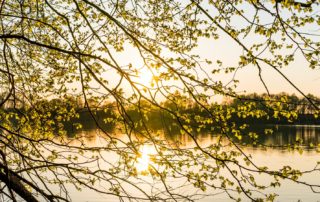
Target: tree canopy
(61, 58)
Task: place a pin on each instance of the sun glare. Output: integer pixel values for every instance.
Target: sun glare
(145, 77)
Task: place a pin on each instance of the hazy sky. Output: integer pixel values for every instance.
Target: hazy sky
(226, 50)
(308, 80)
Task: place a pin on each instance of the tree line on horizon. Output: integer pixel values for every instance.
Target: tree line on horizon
(71, 114)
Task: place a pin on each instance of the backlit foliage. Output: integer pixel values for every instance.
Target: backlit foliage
(63, 61)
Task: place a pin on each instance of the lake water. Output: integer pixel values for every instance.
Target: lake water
(274, 156)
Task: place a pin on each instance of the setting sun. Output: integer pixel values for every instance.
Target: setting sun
(145, 77)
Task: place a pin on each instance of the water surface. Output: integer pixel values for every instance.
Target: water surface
(275, 155)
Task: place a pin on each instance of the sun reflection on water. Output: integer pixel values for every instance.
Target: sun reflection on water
(144, 161)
